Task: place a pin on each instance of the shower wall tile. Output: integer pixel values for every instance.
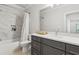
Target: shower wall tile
(6, 20)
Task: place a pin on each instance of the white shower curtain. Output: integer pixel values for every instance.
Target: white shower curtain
(25, 28)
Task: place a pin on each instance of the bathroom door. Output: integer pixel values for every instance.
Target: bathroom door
(6, 20)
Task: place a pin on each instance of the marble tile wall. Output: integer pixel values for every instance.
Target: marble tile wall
(6, 20)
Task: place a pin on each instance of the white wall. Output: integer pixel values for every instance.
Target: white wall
(53, 18)
(34, 21)
(35, 17)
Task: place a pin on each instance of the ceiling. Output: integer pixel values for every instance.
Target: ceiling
(18, 8)
(23, 7)
(30, 6)
(26, 6)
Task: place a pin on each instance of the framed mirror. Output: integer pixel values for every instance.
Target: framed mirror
(72, 22)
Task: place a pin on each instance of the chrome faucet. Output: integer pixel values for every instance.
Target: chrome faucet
(57, 30)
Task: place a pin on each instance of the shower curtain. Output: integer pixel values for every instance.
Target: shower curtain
(25, 28)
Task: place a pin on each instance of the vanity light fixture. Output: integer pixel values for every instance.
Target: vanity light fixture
(52, 5)
(49, 5)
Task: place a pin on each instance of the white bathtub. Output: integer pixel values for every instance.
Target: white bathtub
(7, 47)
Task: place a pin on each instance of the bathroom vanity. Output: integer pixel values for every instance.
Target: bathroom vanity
(51, 44)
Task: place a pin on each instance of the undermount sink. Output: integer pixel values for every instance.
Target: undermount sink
(59, 36)
(62, 36)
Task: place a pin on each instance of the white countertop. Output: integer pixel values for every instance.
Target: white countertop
(61, 38)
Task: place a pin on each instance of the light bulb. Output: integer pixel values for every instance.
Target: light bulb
(49, 5)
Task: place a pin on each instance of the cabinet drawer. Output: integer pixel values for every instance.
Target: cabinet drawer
(34, 52)
(47, 50)
(35, 38)
(72, 49)
(59, 45)
(69, 54)
(35, 45)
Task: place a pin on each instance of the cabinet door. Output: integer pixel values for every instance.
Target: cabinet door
(35, 45)
(52, 43)
(72, 49)
(35, 38)
(34, 52)
(69, 53)
(47, 50)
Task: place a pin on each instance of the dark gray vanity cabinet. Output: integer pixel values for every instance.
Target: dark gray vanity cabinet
(72, 49)
(42, 46)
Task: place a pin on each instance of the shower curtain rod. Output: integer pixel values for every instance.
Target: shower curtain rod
(27, 12)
